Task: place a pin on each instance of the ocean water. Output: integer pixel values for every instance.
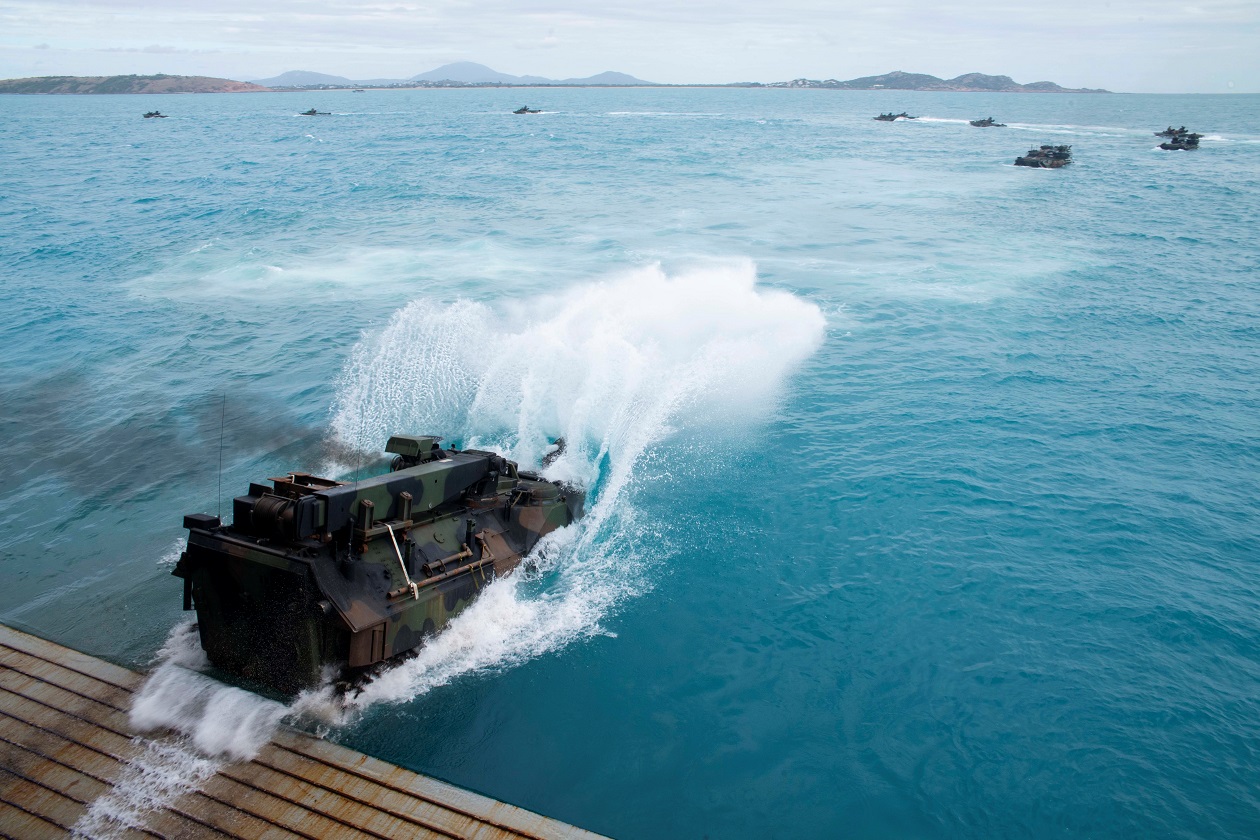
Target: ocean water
(924, 487)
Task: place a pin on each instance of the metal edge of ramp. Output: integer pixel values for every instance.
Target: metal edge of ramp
(66, 742)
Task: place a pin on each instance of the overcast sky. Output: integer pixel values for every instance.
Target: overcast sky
(1209, 46)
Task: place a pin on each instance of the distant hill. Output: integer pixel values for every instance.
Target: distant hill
(606, 78)
(125, 84)
(459, 74)
(302, 78)
(470, 73)
(968, 82)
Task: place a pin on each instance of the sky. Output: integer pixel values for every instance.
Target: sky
(1208, 46)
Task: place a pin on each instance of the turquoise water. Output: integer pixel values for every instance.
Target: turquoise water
(924, 487)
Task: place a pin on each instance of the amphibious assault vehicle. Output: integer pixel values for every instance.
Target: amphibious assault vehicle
(1046, 157)
(1179, 139)
(891, 117)
(313, 572)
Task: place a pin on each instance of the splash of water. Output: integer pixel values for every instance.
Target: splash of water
(160, 772)
(195, 726)
(616, 368)
(219, 721)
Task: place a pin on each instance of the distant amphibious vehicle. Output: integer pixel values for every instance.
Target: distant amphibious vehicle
(891, 117)
(988, 122)
(315, 574)
(525, 109)
(1179, 140)
(1046, 157)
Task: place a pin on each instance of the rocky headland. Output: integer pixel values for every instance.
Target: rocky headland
(160, 83)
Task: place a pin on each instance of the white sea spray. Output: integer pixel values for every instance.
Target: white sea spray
(615, 368)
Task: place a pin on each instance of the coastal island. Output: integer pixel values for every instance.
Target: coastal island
(966, 83)
(160, 83)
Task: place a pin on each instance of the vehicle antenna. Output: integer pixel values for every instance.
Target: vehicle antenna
(219, 494)
(358, 451)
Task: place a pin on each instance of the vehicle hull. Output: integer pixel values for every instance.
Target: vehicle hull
(307, 584)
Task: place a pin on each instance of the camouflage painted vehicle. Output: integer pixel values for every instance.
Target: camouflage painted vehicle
(315, 573)
(1179, 140)
(1046, 157)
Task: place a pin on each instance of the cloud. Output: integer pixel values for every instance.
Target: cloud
(157, 49)
(550, 42)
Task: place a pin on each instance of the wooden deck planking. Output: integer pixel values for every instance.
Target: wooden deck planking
(66, 741)
(16, 823)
